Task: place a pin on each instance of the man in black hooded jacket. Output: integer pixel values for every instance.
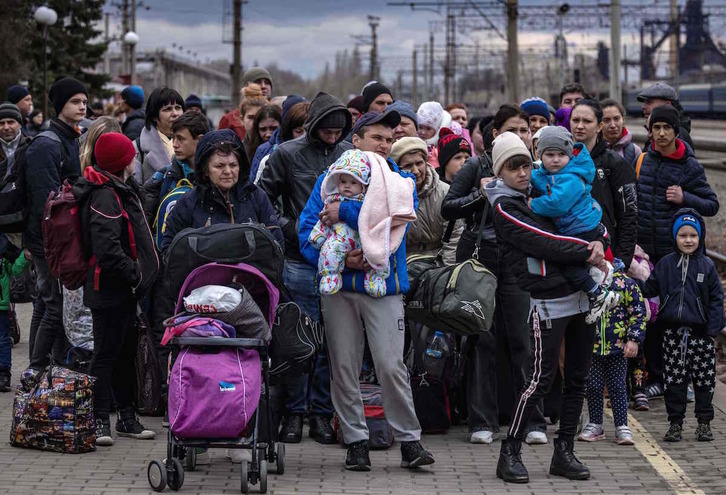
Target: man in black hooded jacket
(290, 176)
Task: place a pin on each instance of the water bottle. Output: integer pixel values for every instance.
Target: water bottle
(436, 354)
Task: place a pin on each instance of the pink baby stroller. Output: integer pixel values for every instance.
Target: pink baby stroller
(206, 411)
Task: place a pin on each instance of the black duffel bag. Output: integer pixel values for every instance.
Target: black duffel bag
(23, 288)
(458, 298)
(296, 340)
(225, 243)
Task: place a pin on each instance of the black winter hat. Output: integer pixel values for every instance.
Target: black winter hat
(372, 92)
(667, 114)
(449, 145)
(10, 111)
(333, 120)
(63, 90)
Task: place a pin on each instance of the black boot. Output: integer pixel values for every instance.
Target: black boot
(4, 380)
(510, 467)
(291, 431)
(565, 464)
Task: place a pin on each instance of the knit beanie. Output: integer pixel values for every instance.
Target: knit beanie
(255, 74)
(555, 137)
(357, 103)
(372, 92)
(536, 106)
(290, 102)
(449, 145)
(507, 145)
(667, 114)
(686, 219)
(17, 93)
(408, 145)
(10, 111)
(113, 152)
(404, 109)
(430, 114)
(192, 101)
(133, 96)
(562, 117)
(63, 90)
(353, 163)
(334, 120)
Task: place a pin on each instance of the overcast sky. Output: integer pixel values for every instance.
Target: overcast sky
(302, 35)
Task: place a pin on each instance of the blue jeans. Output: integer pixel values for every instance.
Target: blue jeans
(302, 391)
(6, 343)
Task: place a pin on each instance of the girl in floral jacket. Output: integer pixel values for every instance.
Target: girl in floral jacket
(620, 332)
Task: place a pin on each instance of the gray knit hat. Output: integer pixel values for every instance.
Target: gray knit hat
(254, 74)
(555, 137)
(10, 111)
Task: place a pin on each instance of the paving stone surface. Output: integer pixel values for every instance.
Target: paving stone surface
(318, 469)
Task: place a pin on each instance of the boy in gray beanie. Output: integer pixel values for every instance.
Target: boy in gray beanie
(563, 187)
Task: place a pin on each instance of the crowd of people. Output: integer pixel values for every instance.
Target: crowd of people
(597, 244)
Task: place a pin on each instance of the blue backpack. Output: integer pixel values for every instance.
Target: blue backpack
(167, 204)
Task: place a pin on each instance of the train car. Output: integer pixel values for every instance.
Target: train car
(718, 100)
(632, 106)
(696, 99)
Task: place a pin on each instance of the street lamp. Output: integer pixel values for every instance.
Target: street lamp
(45, 16)
(132, 39)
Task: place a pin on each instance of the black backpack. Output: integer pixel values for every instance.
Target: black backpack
(14, 207)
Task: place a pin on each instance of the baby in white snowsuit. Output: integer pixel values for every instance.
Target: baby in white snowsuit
(346, 180)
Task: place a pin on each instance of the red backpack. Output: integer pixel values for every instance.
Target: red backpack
(63, 238)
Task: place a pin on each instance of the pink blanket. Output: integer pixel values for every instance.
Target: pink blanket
(387, 209)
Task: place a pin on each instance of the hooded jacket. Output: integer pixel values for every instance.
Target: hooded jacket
(425, 236)
(626, 148)
(565, 195)
(626, 321)
(689, 287)
(530, 245)
(48, 163)
(292, 170)
(397, 281)
(465, 198)
(614, 190)
(233, 120)
(134, 124)
(657, 173)
(121, 271)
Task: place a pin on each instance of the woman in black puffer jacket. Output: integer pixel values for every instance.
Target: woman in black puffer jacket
(124, 266)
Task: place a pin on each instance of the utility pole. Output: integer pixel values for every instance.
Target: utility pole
(615, 12)
(431, 65)
(237, 52)
(373, 22)
(512, 52)
(132, 48)
(674, 41)
(107, 39)
(448, 63)
(424, 58)
(124, 30)
(414, 89)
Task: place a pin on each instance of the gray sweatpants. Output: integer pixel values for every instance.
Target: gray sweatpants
(344, 314)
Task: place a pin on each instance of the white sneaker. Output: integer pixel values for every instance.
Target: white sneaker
(238, 455)
(481, 436)
(623, 436)
(607, 300)
(536, 438)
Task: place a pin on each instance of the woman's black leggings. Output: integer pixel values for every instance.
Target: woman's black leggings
(548, 334)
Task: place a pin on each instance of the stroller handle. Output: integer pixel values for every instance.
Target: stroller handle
(218, 342)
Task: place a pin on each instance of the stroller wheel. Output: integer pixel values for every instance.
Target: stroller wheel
(244, 475)
(280, 458)
(176, 475)
(156, 473)
(263, 476)
(190, 462)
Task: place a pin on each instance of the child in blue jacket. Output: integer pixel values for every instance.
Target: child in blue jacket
(691, 308)
(620, 333)
(563, 186)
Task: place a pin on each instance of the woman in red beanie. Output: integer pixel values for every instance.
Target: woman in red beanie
(123, 267)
